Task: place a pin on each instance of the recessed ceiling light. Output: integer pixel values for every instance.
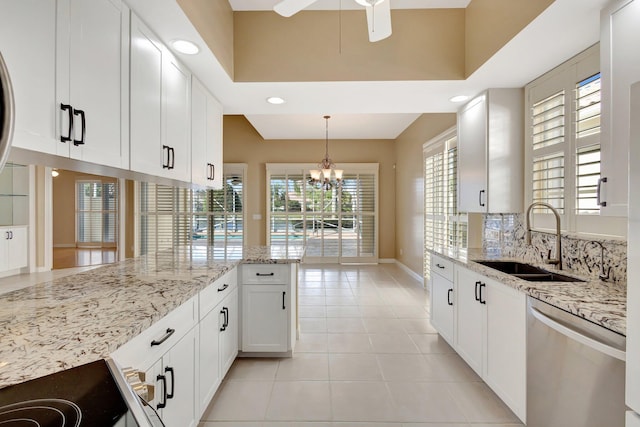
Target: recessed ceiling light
(185, 46)
(459, 98)
(275, 100)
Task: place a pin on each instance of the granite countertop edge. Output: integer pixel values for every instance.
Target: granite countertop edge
(600, 302)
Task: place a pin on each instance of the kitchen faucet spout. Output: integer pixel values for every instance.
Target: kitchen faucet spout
(558, 259)
(604, 275)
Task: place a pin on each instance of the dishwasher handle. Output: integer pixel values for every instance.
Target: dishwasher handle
(576, 336)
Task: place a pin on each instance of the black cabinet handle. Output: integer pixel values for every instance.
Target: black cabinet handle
(480, 198)
(439, 266)
(599, 202)
(69, 110)
(477, 288)
(10, 235)
(83, 122)
(264, 274)
(172, 153)
(210, 171)
(165, 337)
(225, 286)
(162, 404)
(284, 294)
(225, 322)
(449, 292)
(173, 381)
(165, 150)
(482, 301)
(213, 172)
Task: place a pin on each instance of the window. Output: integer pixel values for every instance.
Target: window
(202, 220)
(96, 213)
(562, 154)
(444, 228)
(337, 224)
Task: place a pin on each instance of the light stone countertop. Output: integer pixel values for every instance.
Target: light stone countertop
(602, 303)
(68, 321)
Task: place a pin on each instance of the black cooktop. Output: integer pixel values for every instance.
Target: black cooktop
(85, 396)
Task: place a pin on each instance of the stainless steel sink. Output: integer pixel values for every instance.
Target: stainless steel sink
(528, 272)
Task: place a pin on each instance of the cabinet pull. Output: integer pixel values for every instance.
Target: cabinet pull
(598, 201)
(10, 235)
(7, 234)
(480, 198)
(69, 110)
(477, 297)
(225, 322)
(449, 292)
(440, 266)
(163, 379)
(264, 274)
(172, 153)
(173, 381)
(165, 337)
(165, 149)
(213, 171)
(284, 294)
(83, 122)
(225, 286)
(482, 301)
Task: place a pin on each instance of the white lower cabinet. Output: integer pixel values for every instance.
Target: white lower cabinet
(13, 248)
(442, 298)
(489, 332)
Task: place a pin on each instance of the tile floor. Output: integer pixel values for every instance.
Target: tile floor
(367, 356)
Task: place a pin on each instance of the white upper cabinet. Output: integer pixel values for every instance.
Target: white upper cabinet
(490, 149)
(620, 67)
(160, 108)
(68, 63)
(206, 137)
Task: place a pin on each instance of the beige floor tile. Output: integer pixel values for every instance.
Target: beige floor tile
(367, 424)
(299, 401)
(345, 325)
(296, 424)
(311, 292)
(361, 401)
(441, 425)
(354, 367)
(304, 366)
(313, 311)
(424, 402)
(253, 369)
(312, 324)
(230, 403)
(231, 424)
(304, 300)
(333, 301)
(377, 312)
(343, 311)
(451, 367)
(309, 284)
(312, 343)
(406, 367)
(418, 326)
(431, 343)
(343, 284)
(383, 326)
(392, 343)
(411, 312)
(349, 343)
(480, 404)
(339, 292)
(370, 300)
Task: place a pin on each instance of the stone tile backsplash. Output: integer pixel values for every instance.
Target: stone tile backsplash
(505, 234)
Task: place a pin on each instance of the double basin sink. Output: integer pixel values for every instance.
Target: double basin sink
(527, 272)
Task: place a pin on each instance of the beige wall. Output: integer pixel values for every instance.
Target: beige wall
(242, 144)
(64, 206)
(332, 45)
(490, 24)
(214, 21)
(410, 186)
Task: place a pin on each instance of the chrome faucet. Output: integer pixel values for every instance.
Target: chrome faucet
(604, 275)
(558, 259)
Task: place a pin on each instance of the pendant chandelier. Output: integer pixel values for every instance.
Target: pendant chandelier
(326, 168)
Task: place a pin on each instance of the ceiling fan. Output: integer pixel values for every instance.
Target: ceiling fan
(378, 14)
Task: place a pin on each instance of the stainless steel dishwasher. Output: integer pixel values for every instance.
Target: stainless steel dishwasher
(575, 370)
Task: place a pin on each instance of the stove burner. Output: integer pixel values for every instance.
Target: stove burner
(41, 413)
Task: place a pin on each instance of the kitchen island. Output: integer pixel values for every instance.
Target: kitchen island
(69, 321)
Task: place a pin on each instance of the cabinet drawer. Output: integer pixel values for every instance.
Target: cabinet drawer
(442, 267)
(145, 349)
(265, 274)
(214, 293)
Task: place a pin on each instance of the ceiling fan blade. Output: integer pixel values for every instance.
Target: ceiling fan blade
(288, 8)
(379, 21)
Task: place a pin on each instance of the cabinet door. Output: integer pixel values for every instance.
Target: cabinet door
(472, 156)
(229, 337)
(442, 311)
(620, 64)
(146, 100)
(505, 368)
(200, 171)
(214, 141)
(209, 377)
(17, 248)
(28, 45)
(179, 370)
(265, 324)
(176, 86)
(4, 249)
(633, 420)
(94, 83)
(471, 318)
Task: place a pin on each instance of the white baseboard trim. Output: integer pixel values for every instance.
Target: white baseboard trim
(387, 261)
(412, 273)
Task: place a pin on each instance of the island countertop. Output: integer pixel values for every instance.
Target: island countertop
(65, 322)
(602, 303)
